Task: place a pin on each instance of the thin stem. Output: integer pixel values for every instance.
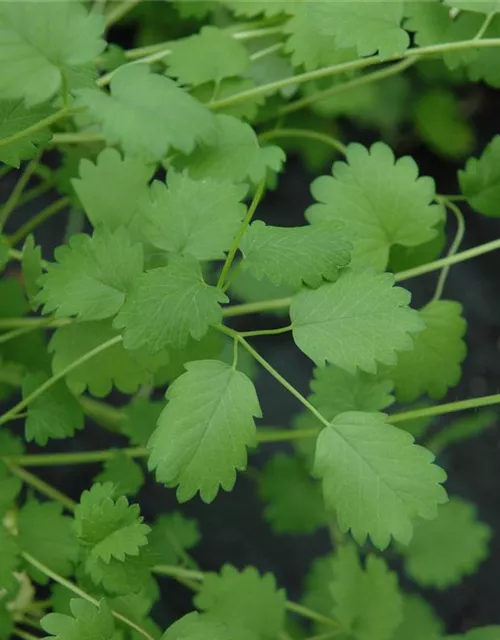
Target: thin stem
(104, 80)
(58, 376)
(25, 635)
(35, 192)
(305, 612)
(17, 192)
(452, 198)
(256, 307)
(286, 435)
(38, 126)
(304, 134)
(455, 246)
(70, 459)
(15, 333)
(268, 51)
(253, 34)
(266, 332)
(120, 11)
(485, 25)
(75, 138)
(82, 594)
(248, 218)
(33, 323)
(443, 409)
(41, 217)
(41, 486)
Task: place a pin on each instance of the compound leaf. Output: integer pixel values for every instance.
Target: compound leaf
(295, 255)
(205, 429)
(148, 114)
(433, 365)
(167, 305)
(445, 550)
(109, 528)
(14, 118)
(376, 478)
(55, 414)
(87, 621)
(358, 321)
(92, 275)
(381, 201)
(480, 180)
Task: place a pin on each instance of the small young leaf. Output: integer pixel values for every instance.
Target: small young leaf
(205, 429)
(31, 269)
(244, 599)
(433, 365)
(167, 305)
(358, 321)
(480, 180)
(148, 114)
(14, 118)
(87, 621)
(381, 201)
(190, 63)
(123, 473)
(140, 421)
(110, 189)
(92, 275)
(295, 255)
(171, 536)
(375, 478)
(110, 528)
(55, 414)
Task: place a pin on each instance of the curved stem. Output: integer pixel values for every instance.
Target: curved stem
(455, 246)
(17, 192)
(38, 126)
(443, 409)
(41, 486)
(265, 332)
(38, 219)
(304, 134)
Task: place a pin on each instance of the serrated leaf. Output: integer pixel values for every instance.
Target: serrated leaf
(336, 391)
(429, 21)
(244, 599)
(87, 621)
(14, 118)
(376, 478)
(480, 180)
(381, 201)
(194, 626)
(295, 255)
(31, 266)
(43, 44)
(110, 189)
(92, 275)
(232, 153)
(461, 429)
(251, 8)
(10, 486)
(433, 365)
(48, 536)
(445, 550)
(367, 601)
(116, 366)
(167, 305)
(189, 217)
(110, 528)
(358, 321)
(148, 114)
(122, 578)
(419, 621)
(55, 414)
(141, 417)
(171, 536)
(292, 500)
(190, 63)
(123, 473)
(205, 429)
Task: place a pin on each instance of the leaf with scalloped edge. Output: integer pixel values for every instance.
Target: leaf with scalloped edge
(14, 118)
(480, 180)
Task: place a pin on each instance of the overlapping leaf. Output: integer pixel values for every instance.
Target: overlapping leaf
(480, 180)
(123, 473)
(14, 118)
(87, 621)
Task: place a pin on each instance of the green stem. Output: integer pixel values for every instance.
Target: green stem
(443, 409)
(254, 34)
(75, 138)
(248, 218)
(266, 332)
(33, 323)
(455, 246)
(305, 612)
(17, 192)
(58, 376)
(104, 80)
(15, 333)
(41, 217)
(82, 594)
(120, 11)
(267, 52)
(453, 198)
(304, 134)
(256, 307)
(286, 435)
(70, 459)
(485, 25)
(38, 126)
(41, 486)
(25, 635)
(35, 192)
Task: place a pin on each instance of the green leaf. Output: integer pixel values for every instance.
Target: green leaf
(419, 621)
(368, 604)
(110, 189)
(92, 275)
(246, 110)
(252, 8)
(475, 5)
(443, 551)
(171, 536)
(205, 429)
(337, 391)
(381, 201)
(319, 28)
(43, 45)
(87, 621)
(48, 536)
(148, 114)
(141, 417)
(9, 552)
(358, 321)
(194, 626)
(190, 63)
(10, 486)
(55, 414)
(122, 578)
(196, 218)
(244, 599)
(123, 473)
(116, 366)
(167, 305)
(376, 478)
(110, 528)
(429, 21)
(232, 153)
(293, 501)
(31, 269)
(480, 180)
(481, 633)
(296, 254)
(462, 429)
(6, 622)
(433, 366)
(248, 289)
(4, 253)
(14, 118)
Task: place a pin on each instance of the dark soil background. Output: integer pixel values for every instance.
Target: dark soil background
(233, 528)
